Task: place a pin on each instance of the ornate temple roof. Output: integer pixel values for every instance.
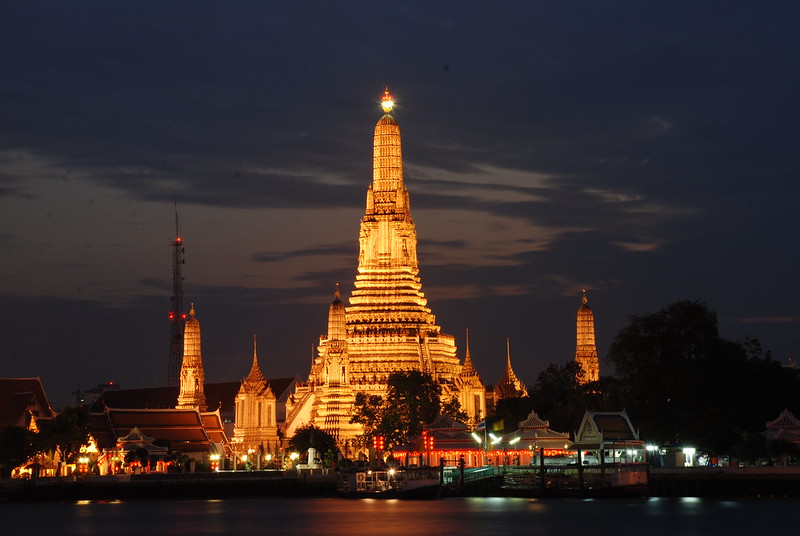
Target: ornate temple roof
(187, 430)
(219, 395)
(605, 428)
(786, 420)
(255, 374)
(534, 421)
(536, 431)
(469, 368)
(22, 399)
(509, 385)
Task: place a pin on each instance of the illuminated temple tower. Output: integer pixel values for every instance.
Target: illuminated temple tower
(585, 347)
(470, 388)
(254, 413)
(388, 326)
(509, 385)
(192, 376)
(334, 396)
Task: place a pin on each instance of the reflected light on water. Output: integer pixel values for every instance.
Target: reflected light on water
(345, 517)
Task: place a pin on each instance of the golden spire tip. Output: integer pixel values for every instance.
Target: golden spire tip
(387, 101)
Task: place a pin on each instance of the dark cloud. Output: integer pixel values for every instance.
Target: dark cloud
(645, 151)
(335, 249)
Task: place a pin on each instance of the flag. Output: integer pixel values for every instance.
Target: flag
(481, 426)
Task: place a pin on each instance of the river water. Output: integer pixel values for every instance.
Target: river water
(462, 517)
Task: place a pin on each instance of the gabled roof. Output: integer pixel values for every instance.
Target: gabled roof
(136, 435)
(600, 428)
(21, 398)
(535, 432)
(188, 430)
(445, 422)
(786, 420)
(534, 421)
(220, 395)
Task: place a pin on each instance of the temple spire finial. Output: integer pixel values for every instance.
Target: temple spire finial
(255, 374)
(336, 293)
(191, 310)
(387, 101)
(584, 299)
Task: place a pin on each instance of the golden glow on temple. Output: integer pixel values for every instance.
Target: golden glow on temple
(192, 378)
(509, 386)
(387, 101)
(388, 326)
(585, 346)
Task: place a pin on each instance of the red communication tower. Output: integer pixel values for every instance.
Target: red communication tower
(176, 314)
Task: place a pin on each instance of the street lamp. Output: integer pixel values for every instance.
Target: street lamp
(485, 445)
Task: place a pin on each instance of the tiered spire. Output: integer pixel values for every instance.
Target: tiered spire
(255, 374)
(387, 302)
(585, 346)
(192, 376)
(468, 369)
(510, 386)
(337, 319)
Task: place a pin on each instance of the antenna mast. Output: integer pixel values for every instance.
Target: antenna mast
(176, 314)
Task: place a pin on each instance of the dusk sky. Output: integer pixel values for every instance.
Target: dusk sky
(645, 151)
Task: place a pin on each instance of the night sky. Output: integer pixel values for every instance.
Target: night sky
(645, 151)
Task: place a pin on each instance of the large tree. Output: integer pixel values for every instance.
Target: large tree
(66, 433)
(16, 447)
(682, 382)
(309, 436)
(413, 399)
(559, 395)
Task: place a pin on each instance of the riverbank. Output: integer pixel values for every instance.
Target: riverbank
(172, 486)
(710, 482)
(725, 482)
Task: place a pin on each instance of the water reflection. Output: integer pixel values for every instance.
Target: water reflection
(462, 517)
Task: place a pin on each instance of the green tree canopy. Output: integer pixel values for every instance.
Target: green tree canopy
(66, 433)
(309, 436)
(413, 399)
(561, 398)
(16, 447)
(681, 382)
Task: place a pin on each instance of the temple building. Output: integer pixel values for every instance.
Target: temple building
(585, 347)
(255, 425)
(244, 416)
(388, 326)
(192, 377)
(509, 385)
(470, 388)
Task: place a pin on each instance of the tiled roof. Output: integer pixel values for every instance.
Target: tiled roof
(444, 422)
(20, 395)
(220, 395)
(534, 421)
(785, 420)
(186, 429)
